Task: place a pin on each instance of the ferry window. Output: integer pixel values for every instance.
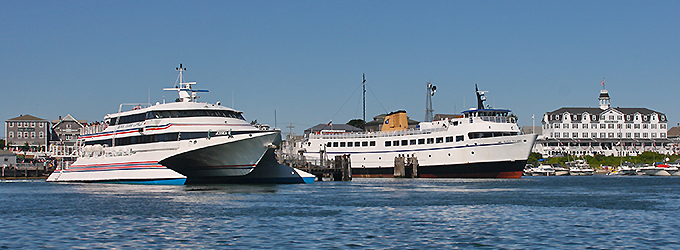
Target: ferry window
(412, 142)
(356, 144)
(388, 143)
(395, 143)
(335, 144)
(421, 141)
(364, 144)
(449, 139)
(459, 138)
(440, 140)
(342, 144)
(404, 142)
(430, 140)
(372, 144)
(328, 144)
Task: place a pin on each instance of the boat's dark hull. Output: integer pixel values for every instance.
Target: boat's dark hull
(505, 169)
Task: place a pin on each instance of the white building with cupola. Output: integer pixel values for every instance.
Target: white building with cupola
(605, 130)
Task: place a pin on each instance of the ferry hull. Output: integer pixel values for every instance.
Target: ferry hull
(267, 171)
(506, 169)
(223, 162)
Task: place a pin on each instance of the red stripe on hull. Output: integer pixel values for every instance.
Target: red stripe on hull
(503, 175)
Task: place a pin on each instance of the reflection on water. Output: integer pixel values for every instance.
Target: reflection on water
(528, 213)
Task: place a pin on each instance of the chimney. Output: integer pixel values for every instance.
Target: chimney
(59, 117)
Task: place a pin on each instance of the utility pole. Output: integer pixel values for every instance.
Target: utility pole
(364, 82)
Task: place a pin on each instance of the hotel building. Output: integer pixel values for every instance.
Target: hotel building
(604, 130)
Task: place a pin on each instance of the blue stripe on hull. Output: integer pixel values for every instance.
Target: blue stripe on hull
(178, 181)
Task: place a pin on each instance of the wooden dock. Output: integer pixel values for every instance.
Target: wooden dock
(340, 169)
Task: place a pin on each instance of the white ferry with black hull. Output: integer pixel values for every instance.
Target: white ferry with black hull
(481, 143)
(183, 142)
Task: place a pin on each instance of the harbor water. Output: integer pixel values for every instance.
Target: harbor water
(600, 212)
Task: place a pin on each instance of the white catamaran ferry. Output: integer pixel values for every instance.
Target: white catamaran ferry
(481, 143)
(179, 143)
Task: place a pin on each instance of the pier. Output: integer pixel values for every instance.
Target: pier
(340, 169)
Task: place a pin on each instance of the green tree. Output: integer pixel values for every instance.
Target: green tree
(533, 158)
(2, 144)
(357, 123)
(514, 117)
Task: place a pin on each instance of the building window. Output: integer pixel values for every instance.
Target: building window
(619, 117)
(26, 124)
(585, 135)
(33, 124)
(25, 134)
(611, 117)
(19, 124)
(603, 135)
(610, 135)
(574, 125)
(603, 125)
(637, 126)
(574, 135)
(68, 125)
(18, 134)
(645, 126)
(627, 135)
(645, 135)
(628, 126)
(610, 125)
(662, 126)
(557, 135)
(11, 134)
(594, 135)
(619, 135)
(585, 125)
(11, 124)
(566, 125)
(653, 126)
(653, 135)
(566, 135)
(32, 134)
(663, 135)
(42, 134)
(594, 117)
(637, 135)
(557, 126)
(551, 134)
(619, 126)
(41, 124)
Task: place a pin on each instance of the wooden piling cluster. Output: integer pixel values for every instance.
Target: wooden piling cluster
(405, 166)
(339, 169)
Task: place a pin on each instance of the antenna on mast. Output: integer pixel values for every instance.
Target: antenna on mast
(186, 94)
(429, 112)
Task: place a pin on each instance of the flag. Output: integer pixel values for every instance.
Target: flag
(602, 82)
(329, 123)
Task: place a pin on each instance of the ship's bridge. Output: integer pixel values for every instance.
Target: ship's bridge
(492, 115)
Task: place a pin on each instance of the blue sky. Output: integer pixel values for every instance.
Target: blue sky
(305, 59)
